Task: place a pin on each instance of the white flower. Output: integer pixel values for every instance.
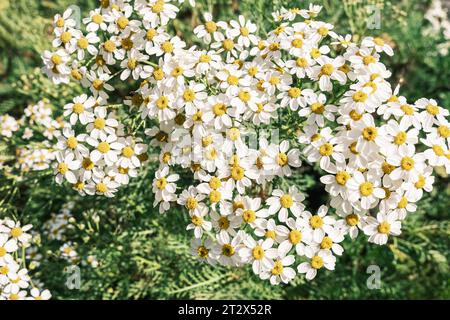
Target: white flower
(365, 190)
(318, 260)
(66, 166)
(198, 222)
(258, 253)
(280, 269)
(380, 228)
(283, 203)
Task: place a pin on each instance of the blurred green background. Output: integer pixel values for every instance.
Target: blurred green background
(145, 255)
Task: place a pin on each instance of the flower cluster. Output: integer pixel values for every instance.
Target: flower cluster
(15, 283)
(37, 123)
(218, 113)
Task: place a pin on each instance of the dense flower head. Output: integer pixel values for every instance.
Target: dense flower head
(241, 115)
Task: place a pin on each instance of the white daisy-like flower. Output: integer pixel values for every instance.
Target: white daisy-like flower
(318, 260)
(365, 189)
(259, 253)
(66, 165)
(380, 228)
(283, 203)
(198, 222)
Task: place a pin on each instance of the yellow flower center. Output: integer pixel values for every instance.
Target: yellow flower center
(316, 222)
(355, 115)
(378, 41)
(286, 201)
(202, 252)
(228, 44)
(258, 252)
(128, 152)
(191, 203)
(369, 60)
(87, 164)
(101, 187)
(342, 177)
(360, 96)
(244, 31)
(315, 53)
(433, 110)
(16, 232)
(223, 223)
(352, 219)
(167, 47)
(384, 227)
(282, 159)
(270, 234)
(244, 96)
(158, 74)
(301, 62)
(274, 80)
(252, 71)
(444, 131)
(158, 7)
(420, 183)
(162, 103)
(219, 109)
(249, 216)
(189, 95)
(196, 220)
(327, 69)
(215, 196)
(370, 133)
(400, 138)
(97, 19)
(387, 168)
(295, 237)
(122, 22)
(97, 84)
(60, 22)
(72, 142)
(237, 173)
(66, 37)
(211, 26)
(204, 58)
(297, 43)
(109, 46)
(317, 262)
(228, 250)
(326, 243)
(317, 108)
(78, 108)
(63, 168)
(438, 150)
(2, 252)
(402, 203)
(99, 123)
(56, 59)
(407, 163)
(82, 43)
(322, 31)
(215, 183)
(161, 183)
(407, 109)
(326, 150)
(366, 189)
(103, 147)
(277, 268)
(294, 92)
